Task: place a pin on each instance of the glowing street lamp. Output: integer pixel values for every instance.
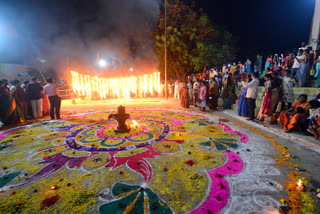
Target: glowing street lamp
(131, 69)
(102, 63)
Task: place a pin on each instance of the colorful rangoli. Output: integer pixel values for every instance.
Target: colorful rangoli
(169, 162)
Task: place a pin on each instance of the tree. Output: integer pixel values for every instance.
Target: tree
(192, 41)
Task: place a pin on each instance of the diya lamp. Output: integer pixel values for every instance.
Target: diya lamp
(300, 185)
(135, 123)
(54, 187)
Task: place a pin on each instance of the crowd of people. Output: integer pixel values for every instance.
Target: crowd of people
(29, 100)
(279, 75)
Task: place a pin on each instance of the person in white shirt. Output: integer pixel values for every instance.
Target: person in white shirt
(51, 89)
(196, 87)
(296, 64)
(176, 90)
(252, 94)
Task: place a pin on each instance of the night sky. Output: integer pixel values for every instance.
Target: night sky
(267, 27)
(272, 26)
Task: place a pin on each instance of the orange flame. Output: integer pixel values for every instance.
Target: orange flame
(134, 122)
(300, 185)
(85, 85)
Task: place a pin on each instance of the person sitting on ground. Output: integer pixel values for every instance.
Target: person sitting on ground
(228, 101)
(300, 108)
(314, 119)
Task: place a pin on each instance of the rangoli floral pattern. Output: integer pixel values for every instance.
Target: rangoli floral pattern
(167, 159)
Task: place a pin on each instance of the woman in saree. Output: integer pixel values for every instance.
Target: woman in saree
(266, 107)
(10, 112)
(317, 69)
(21, 98)
(268, 62)
(229, 96)
(248, 66)
(185, 96)
(229, 86)
(190, 91)
(301, 74)
(213, 95)
(243, 103)
(289, 119)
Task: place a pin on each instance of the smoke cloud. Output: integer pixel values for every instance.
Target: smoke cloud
(117, 30)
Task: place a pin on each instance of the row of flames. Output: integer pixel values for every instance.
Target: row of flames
(138, 86)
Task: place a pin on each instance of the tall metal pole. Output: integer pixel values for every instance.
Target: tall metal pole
(314, 36)
(165, 50)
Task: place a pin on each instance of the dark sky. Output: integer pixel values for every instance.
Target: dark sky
(268, 26)
(81, 27)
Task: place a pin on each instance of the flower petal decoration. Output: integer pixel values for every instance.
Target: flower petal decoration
(96, 161)
(222, 143)
(97, 169)
(4, 180)
(134, 199)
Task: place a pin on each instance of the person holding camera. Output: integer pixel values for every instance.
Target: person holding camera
(51, 89)
(252, 93)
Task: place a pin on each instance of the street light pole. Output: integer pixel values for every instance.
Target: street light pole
(165, 50)
(314, 36)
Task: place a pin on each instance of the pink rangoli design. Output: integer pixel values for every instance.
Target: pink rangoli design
(89, 142)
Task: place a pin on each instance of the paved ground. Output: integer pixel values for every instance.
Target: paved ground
(260, 184)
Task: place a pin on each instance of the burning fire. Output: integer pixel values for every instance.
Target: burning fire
(300, 185)
(134, 122)
(85, 85)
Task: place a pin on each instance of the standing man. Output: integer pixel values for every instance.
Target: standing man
(252, 94)
(196, 87)
(258, 63)
(34, 92)
(176, 90)
(296, 64)
(190, 91)
(203, 95)
(51, 89)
